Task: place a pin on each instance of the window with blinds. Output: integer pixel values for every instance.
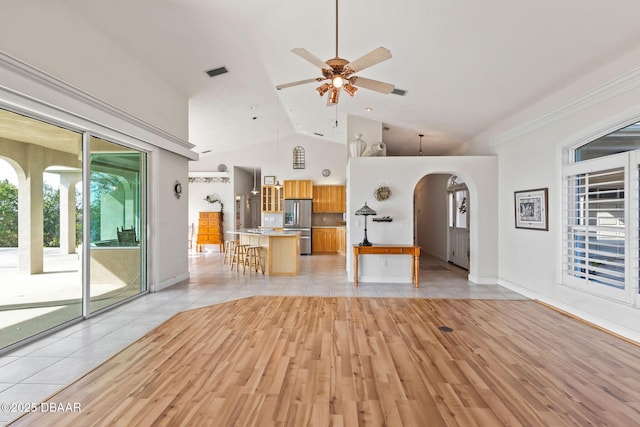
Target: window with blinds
(596, 227)
(600, 220)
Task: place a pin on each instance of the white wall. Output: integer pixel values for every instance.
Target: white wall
(530, 156)
(275, 158)
(52, 37)
(402, 174)
(168, 252)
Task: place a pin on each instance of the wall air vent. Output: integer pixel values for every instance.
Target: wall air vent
(217, 71)
(400, 92)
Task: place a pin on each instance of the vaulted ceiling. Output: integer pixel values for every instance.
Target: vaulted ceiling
(466, 65)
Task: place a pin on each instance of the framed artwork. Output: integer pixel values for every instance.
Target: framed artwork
(531, 208)
(269, 180)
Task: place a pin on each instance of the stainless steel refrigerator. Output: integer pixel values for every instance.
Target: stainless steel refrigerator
(297, 216)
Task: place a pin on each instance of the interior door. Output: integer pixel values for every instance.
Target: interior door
(459, 227)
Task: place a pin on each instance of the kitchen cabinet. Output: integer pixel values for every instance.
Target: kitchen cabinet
(323, 241)
(341, 240)
(329, 199)
(298, 189)
(209, 230)
(329, 240)
(271, 198)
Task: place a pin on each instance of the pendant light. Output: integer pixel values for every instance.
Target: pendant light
(254, 191)
(278, 185)
(420, 151)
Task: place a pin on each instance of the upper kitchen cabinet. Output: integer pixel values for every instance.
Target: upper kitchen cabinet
(271, 198)
(329, 199)
(298, 189)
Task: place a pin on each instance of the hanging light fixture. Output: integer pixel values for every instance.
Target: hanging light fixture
(278, 186)
(420, 151)
(254, 191)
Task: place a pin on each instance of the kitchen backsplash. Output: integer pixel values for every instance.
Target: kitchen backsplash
(327, 219)
(272, 219)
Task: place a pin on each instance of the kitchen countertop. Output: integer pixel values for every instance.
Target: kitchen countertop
(265, 232)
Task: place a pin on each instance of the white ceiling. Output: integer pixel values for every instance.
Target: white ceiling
(465, 64)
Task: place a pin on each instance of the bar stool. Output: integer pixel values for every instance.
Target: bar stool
(239, 253)
(229, 248)
(252, 260)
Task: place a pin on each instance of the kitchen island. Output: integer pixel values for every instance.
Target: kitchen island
(279, 250)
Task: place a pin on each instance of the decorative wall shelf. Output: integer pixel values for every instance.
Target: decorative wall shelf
(383, 219)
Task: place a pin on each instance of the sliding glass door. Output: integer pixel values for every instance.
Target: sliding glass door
(40, 227)
(118, 223)
(50, 273)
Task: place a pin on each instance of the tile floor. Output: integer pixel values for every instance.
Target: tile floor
(32, 373)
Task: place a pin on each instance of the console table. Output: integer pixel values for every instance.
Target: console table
(412, 250)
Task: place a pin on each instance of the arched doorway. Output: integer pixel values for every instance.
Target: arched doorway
(441, 218)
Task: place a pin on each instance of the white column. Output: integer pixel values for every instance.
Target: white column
(30, 216)
(68, 181)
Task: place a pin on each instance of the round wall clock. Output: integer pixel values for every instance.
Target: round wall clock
(326, 172)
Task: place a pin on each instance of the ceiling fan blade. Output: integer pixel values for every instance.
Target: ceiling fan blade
(308, 56)
(300, 82)
(372, 58)
(370, 84)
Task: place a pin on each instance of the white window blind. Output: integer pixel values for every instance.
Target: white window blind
(599, 251)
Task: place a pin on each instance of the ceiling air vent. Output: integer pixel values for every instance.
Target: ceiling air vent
(217, 71)
(400, 92)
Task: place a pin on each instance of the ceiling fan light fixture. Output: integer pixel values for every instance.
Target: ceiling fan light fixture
(351, 90)
(323, 89)
(333, 96)
(339, 72)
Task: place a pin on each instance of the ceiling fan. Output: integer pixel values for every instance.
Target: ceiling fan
(340, 73)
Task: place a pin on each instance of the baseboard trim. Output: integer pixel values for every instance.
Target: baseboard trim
(583, 316)
(170, 282)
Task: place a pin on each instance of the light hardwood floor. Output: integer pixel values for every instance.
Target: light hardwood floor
(346, 361)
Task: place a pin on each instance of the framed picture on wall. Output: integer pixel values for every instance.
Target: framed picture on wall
(269, 180)
(531, 208)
